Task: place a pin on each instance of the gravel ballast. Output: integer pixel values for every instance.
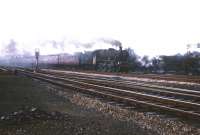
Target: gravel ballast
(160, 125)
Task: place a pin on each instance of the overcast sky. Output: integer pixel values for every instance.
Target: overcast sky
(150, 27)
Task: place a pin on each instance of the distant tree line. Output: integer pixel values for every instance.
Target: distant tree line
(188, 63)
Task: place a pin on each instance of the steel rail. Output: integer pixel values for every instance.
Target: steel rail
(172, 78)
(135, 94)
(135, 85)
(141, 88)
(123, 98)
(3, 69)
(195, 79)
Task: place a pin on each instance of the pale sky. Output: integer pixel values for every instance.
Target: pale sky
(150, 27)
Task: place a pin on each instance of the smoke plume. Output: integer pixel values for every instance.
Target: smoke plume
(84, 45)
(56, 44)
(111, 41)
(11, 48)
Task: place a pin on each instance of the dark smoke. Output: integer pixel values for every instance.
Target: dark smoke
(61, 44)
(111, 41)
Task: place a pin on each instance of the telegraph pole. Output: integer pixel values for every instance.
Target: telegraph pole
(37, 53)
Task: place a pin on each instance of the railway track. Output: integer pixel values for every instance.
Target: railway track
(169, 77)
(135, 86)
(128, 94)
(3, 69)
(192, 79)
(179, 78)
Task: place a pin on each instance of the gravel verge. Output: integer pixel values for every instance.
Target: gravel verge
(157, 124)
(164, 126)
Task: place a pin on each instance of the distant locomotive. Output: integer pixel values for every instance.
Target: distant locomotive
(109, 60)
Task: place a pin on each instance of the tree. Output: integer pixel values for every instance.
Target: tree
(155, 64)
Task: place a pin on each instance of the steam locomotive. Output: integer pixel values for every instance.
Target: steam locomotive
(109, 60)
